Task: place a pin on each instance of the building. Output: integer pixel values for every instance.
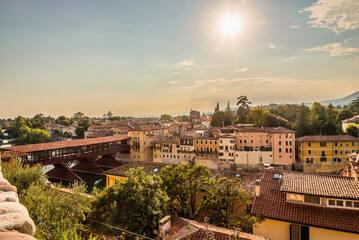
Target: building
(226, 150)
(206, 151)
(258, 145)
(119, 174)
(193, 114)
(141, 142)
(353, 120)
(326, 154)
(306, 206)
(189, 229)
(352, 169)
(166, 151)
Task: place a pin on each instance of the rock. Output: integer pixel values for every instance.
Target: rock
(15, 236)
(19, 222)
(3, 181)
(9, 197)
(6, 188)
(12, 207)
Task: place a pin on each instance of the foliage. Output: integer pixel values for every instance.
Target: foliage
(182, 185)
(29, 135)
(139, 201)
(302, 122)
(220, 119)
(344, 114)
(82, 127)
(166, 117)
(57, 214)
(352, 130)
(242, 111)
(23, 176)
(223, 199)
(354, 106)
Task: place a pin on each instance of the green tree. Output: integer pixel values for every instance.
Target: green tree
(81, 128)
(223, 199)
(258, 116)
(317, 118)
(136, 204)
(78, 116)
(344, 114)
(220, 119)
(242, 111)
(330, 126)
(303, 121)
(354, 106)
(352, 130)
(31, 136)
(166, 117)
(182, 184)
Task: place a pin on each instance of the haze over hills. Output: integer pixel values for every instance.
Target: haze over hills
(339, 101)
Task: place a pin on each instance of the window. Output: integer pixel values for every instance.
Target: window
(240, 141)
(340, 203)
(336, 144)
(309, 151)
(323, 144)
(331, 202)
(280, 143)
(348, 203)
(245, 141)
(266, 141)
(221, 147)
(323, 159)
(356, 204)
(309, 160)
(286, 135)
(295, 197)
(220, 154)
(336, 152)
(309, 144)
(286, 143)
(280, 150)
(286, 150)
(290, 150)
(220, 141)
(251, 141)
(312, 199)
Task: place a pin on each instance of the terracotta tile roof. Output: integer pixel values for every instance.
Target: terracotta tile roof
(182, 228)
(272, 204)
(175, 141)
(265, 129)
(66, 144)
(351, 120)
(320, 185)
(327, 138)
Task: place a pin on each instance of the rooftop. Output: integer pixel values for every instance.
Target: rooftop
(272, 204)
(183, 228)
(148, 167)
(66, 144)
(320, 185)
(327, 138)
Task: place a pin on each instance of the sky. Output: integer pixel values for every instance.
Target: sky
(162, 56)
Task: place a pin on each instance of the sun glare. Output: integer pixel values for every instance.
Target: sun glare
(230, 25)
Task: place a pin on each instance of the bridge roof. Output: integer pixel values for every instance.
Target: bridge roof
(66, 144)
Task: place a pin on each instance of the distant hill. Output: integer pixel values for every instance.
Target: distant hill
(339, 101)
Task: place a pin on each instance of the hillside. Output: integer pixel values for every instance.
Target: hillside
(339, 101)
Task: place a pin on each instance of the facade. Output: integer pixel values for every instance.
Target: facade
(194, 115)
(141, 142)
(206, 151)
(326, 154)
(258, 145)
(304, 206)
(352, 169)
(226, 150)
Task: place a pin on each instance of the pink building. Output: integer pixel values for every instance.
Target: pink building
(280, 141)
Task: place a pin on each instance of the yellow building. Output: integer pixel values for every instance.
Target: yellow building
(141, 142)
(306, 206)
(119, 174)
(326, 154)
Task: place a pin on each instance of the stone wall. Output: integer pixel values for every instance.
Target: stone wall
(15, 222)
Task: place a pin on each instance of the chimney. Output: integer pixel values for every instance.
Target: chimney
(165, 225)
(258, 188)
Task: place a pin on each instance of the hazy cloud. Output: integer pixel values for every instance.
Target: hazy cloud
(295, 27)
(334, 49)
(175, 73)
(173, 82)
(240, 70)
(337, 15)
(217, 83)
(271, 45)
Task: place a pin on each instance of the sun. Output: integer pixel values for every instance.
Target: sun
(230, 25)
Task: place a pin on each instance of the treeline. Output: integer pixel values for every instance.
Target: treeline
(316, 120)
(33, 130)
(135, 204)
